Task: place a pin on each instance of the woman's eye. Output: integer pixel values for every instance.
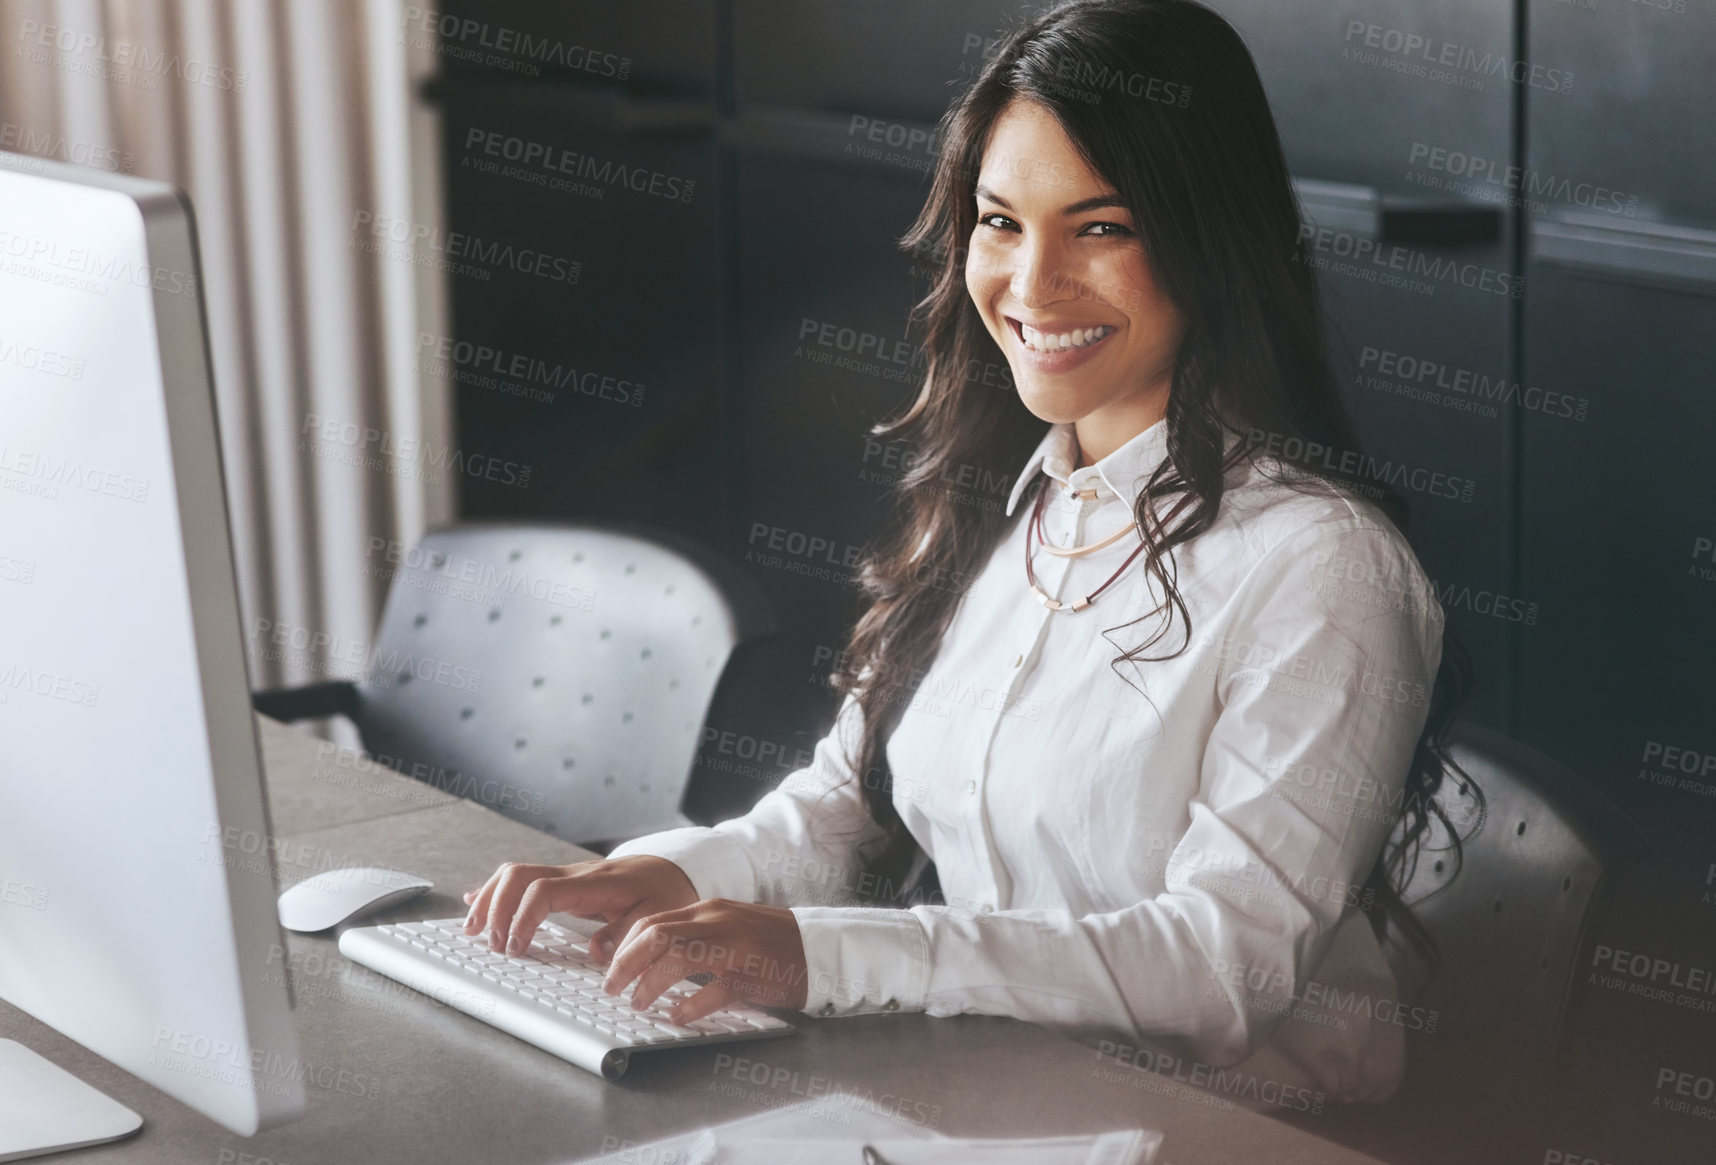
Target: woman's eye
(1108, 230)
(998, 221)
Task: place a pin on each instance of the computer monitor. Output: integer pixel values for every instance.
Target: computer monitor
(137, 891)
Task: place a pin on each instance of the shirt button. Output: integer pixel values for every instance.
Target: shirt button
(891, 1005)
(971, 787)
(826, 1010)
(1019, 660)
(988, 909)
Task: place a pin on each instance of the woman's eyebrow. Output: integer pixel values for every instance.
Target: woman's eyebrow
(1099, 202)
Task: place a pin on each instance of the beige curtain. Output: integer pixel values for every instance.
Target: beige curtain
(287, 121)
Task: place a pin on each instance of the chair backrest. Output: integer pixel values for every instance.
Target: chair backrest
(1510, 926)
(559, 674)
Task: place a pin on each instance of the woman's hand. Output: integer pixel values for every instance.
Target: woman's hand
(754, 952)
(617, 891)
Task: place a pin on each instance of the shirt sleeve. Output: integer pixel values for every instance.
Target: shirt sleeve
(806, 840)
(1325, 666)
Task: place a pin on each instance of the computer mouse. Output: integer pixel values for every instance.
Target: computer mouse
(334, 896)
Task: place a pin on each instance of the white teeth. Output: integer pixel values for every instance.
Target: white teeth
(1077, 338)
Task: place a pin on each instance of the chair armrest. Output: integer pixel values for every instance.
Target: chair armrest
(310, 702)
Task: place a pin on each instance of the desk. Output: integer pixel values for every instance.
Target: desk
(408, 1080)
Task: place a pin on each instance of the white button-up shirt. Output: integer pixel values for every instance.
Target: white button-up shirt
(1163, 858)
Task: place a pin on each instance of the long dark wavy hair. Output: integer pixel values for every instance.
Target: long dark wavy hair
(1163, 100)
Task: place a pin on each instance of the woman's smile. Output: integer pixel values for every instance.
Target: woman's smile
(1054, 346)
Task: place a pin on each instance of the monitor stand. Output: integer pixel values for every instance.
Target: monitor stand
(45, 1109)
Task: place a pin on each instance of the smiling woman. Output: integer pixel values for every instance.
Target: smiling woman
(1192, 846)
(1058, 272)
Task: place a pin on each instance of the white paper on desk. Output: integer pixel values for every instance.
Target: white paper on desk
(826, 1119)
(1125, 1147)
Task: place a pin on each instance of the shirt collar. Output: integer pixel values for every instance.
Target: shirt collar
(1118, 475)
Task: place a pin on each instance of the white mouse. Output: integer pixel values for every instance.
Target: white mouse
(330, 898)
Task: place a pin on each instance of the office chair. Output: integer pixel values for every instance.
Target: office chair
(1510, 929)
(559, 674)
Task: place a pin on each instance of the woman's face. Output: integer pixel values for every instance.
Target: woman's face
(1059, 274)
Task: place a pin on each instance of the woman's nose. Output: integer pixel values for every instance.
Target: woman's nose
(1039, 276)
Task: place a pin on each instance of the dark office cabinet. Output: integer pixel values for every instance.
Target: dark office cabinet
(1417, 271)
(601, 387)
(1620, 508)
(1618, 512)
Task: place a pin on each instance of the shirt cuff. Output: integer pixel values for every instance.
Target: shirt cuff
(863, 959)
(715, 863)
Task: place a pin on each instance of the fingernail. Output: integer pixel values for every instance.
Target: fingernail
(513, 946)
(495, 939)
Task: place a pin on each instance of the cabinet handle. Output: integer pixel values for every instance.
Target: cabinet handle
(1647, 253)
(1367, 212)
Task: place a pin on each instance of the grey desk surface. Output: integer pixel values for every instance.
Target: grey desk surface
(396, 1077)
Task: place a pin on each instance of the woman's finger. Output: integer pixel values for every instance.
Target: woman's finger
(714, 997)
(503, 902)
(650, 937)
(686, 953)
(606, 940)
(477, 916)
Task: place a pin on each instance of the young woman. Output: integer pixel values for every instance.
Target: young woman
(1154, 724)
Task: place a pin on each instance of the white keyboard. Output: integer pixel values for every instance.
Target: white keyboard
(550, 996)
